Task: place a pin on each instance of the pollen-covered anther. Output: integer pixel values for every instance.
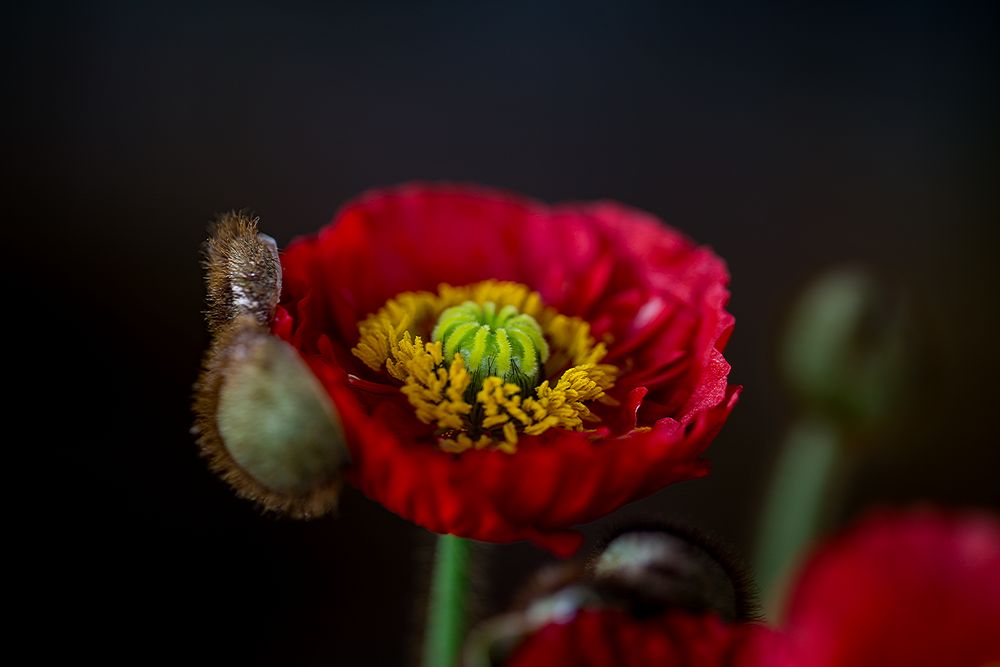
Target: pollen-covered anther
(436, 391)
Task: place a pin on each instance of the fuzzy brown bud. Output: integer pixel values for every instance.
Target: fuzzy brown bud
(243, 272)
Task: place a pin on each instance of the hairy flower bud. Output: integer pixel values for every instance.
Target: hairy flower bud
(266, 424)
(243, 272)
(652, 568)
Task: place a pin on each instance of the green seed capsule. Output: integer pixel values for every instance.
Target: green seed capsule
(503, 343)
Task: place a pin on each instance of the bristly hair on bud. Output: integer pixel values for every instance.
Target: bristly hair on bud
(266, 424)
(242, 271)
(653, 565)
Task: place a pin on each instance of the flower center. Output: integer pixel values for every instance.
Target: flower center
(486, 363)
(500, 343)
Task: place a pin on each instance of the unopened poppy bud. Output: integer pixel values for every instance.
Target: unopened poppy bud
(243, 272)
(267, 425)
(653, 568)
(843, 352)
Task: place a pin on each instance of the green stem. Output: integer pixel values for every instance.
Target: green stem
(796, 500)
(446, 610)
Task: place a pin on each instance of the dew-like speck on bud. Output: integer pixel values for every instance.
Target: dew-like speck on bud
(242, 271)
(266, 424)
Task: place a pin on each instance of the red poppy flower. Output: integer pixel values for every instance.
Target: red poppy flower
(504, 370)
(612, 638)
(916, 589)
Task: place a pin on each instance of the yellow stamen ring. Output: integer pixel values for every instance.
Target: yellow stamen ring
(444, 393)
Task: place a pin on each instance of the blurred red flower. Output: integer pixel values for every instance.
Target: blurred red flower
(610, 637)
(917, 589)
(634, 318)
(906, 589)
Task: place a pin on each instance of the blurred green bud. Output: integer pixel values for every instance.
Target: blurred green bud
(844, 348)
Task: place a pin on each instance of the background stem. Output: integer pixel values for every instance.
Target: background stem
(445, 627)
(795, 503)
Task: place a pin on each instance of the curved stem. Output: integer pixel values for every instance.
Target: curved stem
(445, 627)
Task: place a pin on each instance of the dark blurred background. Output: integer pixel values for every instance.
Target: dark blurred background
(792, 140)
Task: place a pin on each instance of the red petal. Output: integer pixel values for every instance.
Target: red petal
(611, 638)
(553, 482)
(920, 589)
